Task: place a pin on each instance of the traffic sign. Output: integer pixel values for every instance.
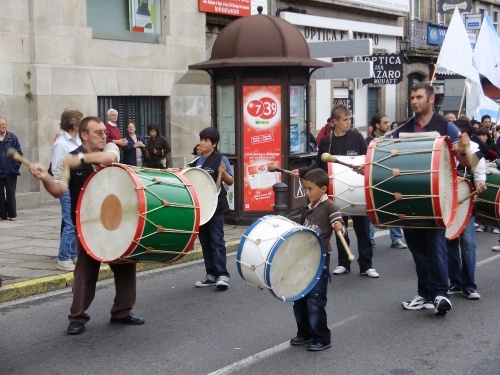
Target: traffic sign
(341, 48)
(345, 70)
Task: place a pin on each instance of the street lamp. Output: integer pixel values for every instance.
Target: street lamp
(404, 45)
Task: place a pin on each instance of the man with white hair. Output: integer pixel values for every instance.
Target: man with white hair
(114, 135)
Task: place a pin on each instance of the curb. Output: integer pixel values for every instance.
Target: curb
(23, 289)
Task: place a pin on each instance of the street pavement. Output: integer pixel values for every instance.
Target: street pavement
(29, 247)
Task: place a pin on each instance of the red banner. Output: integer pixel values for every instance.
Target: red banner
(240, 8)
(261, 145)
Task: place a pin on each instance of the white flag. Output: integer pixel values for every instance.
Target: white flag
(487, 52)
(456, 52)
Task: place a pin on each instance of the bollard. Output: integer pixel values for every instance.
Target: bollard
(280, 193)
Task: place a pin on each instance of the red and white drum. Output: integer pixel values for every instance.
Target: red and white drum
(464, 208)
(347, 188)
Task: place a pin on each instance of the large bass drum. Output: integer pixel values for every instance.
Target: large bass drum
(137, 214)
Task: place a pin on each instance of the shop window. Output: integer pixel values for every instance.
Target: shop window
(130, 20)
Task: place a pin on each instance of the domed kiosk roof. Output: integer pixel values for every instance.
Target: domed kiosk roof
(260, 40)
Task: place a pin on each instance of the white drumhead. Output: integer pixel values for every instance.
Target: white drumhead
(464, 210)
(204, 186)
(446, 181)
(109, 213)
(348, 187)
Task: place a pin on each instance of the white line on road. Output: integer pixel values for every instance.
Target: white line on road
(267, 353)
(488, 260)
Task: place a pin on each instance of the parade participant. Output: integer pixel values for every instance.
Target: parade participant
(82, 162)
(380, 125)
(323, 216)
(9, 170)
(345, 141)
(66, 142)
(428, 246)
(462, 250)
(211, 234)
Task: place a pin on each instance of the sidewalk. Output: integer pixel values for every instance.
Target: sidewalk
(29, 247)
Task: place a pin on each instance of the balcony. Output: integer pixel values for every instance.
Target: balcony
(419, 50)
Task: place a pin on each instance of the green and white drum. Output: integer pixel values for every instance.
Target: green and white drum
(137, 214)
(488, 202)
(411, 182)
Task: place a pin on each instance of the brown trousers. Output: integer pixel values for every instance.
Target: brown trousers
(84, 286)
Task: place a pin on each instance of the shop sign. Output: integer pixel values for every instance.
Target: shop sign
(240, 8)
(387, 69)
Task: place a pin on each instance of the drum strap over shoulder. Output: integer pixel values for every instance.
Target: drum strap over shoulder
(437, 123)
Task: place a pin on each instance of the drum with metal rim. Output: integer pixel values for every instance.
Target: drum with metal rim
(411, 182)
(137, 214)
(347, 188)
(278, 254)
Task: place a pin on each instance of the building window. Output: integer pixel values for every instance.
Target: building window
(144, 110)
(494, 20)
(226, 120)
(415, 9)
(130, 20)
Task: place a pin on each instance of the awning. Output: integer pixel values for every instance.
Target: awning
(451, 103)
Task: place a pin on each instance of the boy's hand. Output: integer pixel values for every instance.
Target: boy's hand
(337, 226)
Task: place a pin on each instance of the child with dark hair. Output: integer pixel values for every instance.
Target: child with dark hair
(323, 216)
(157, 148)
(211, 234)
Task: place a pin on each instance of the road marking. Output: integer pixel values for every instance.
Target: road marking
(267, 353)
(478, 264)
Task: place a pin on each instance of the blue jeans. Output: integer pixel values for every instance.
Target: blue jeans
(212, 242)
(67, 245)
(462, 258)
(310, 313)
(361, 225)
(428, 247)
(396, 234)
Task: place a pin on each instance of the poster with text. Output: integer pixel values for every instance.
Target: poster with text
(240, 8)
(261, 145)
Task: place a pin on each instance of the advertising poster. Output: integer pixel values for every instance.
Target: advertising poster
(261, 145)
(141, 16)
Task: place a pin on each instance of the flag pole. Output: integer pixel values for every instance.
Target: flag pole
(463, 97)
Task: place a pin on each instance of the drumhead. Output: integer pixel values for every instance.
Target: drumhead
(108, 210)
(204, 186)
(447, 181)
(464, 209)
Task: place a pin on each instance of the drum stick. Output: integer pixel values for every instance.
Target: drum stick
(326, 157)
(346, 246)
(274, 168)
(218, 182)
(467, 197)
(13, 154)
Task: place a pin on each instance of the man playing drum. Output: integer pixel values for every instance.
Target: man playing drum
(344, 141)
(81, 163)
(428, 246)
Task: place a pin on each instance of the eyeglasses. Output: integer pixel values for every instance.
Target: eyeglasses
(100, 133)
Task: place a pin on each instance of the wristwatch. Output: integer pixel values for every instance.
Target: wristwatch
(80, 156)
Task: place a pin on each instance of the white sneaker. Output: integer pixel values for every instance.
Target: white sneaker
(339, 270)
(496, 247)
(371, 273)
(471, 294)
(417, 303)
(65, 265)
(441, 305)
(222, 284)
(495, 230)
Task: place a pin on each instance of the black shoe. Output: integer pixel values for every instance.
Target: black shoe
(130, 319)
(75, 328)
(297, 340)
(318, 347)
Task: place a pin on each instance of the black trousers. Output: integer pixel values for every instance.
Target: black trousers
(8, 197)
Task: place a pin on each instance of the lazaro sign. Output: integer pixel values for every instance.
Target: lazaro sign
(240, 8)
(387, 69)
